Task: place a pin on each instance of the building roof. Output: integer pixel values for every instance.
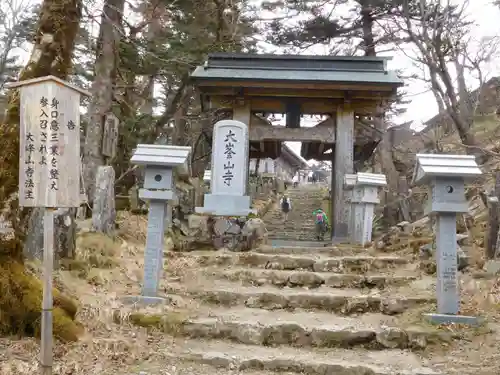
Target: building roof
(300, 161)
(291, 68)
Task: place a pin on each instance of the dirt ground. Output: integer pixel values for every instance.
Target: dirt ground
(110, 345)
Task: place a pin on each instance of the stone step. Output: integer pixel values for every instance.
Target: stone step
(304, 329)
(302, 225)
(342, 301)
(240, 357)
(308, 279)
(292, 236)
(277, 244)
(170, 365)
(308, 249)
(279, 228)
(311, 262)
(294, 228)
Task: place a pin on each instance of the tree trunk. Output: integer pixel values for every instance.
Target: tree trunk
(384, 148)
(367, 26)
(51, 55)
(493, 221)
(104, 212)
(102, 91)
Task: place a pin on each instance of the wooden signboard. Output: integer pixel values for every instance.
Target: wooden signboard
(49, 171)
(110, 135)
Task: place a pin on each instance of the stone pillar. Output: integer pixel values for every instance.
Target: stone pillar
(364, 197)
(343, 163)
(158, 189)
(446, 176)
(103, 210)
(229, 176)
(349, 184)
(153, 253)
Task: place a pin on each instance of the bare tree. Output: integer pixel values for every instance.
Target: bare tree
(439, 31)
(13, 14)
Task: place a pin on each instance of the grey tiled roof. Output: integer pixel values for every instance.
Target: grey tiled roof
(325, 69)
(388, 78)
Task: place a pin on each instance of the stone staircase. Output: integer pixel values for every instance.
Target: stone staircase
(300, 310)
(300, 224)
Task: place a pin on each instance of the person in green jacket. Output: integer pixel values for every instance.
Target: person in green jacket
(321, 223)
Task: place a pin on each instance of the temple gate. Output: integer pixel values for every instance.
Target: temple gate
(339, 87)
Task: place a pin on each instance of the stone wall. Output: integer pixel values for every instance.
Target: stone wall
(190, 231)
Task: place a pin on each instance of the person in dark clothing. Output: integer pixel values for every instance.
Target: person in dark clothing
(286, 206)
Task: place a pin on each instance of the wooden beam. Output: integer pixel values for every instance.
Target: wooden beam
(242, 111)
(308, 106)
(249, 92)
(281, 133)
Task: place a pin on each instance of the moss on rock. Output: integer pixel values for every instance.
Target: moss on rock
(171, 322)
(21, 305)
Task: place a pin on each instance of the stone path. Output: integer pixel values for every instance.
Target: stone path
(302, 310)
(300, 223)
(301, 307)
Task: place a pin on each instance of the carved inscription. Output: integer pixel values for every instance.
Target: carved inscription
(153, 254)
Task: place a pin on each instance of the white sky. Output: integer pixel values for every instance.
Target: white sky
(423, 105)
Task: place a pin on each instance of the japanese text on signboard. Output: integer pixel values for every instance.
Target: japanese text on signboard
(42, 150)
(229, 143)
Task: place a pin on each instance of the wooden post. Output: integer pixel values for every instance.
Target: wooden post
(493, 219)
(242, 112)
(47, 304)
(110, 136)
(49, 173)
(404, 206)
(343, 163)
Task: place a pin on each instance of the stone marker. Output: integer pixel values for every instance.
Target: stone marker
(103, 210)
(158, 188)
(229, 174)
(110, 135)
(49, 170)
(446, 176)
(362, 192)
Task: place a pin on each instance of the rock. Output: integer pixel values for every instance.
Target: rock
(492, 267)
(426, 251)
(463, 259)
(221, 225)
(426, 255)
(309, 279)
(394, 230)
(462, 238)
(392, 306)
(103, 209)
(392, 338)
(198, 224)
(422, 222)
(405, 226)
(234, 229)
(255, 232)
